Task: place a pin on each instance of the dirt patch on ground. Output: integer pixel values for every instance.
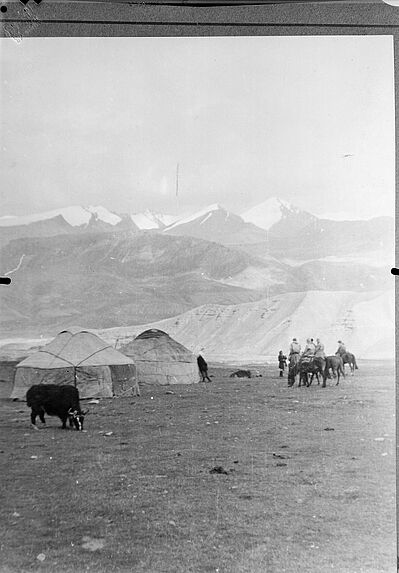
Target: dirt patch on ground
(308, 482)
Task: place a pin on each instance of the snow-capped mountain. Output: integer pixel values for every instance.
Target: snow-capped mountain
(75, 216)
(102, 214)
(266, 214)
(273, 228)
(167, 219)
(210, 256)
(66, 220)
(215, 223)
(273, 217)
(150, 220)
(279, 215)
(199, 216)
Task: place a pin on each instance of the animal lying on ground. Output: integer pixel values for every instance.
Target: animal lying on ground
(53, 400)
(241, 374)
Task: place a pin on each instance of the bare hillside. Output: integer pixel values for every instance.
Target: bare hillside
(257, 331)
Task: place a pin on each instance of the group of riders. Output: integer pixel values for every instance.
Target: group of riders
(313, 359)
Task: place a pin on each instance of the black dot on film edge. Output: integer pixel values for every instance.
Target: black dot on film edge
(3, 8)
(5, 281)
(395, 271)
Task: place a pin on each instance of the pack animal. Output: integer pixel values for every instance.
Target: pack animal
(53, 400)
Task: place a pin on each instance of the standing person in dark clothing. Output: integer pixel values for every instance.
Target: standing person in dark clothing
(282, 362)
(203, 368)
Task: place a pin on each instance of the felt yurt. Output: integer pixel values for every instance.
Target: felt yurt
(8, 366)
(10, 356)
(160, 359)
(7, 376)
(79, 358)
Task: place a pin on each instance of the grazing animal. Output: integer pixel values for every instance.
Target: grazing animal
(241, 374)
(336, 365)
(54, 400)
(349, 358)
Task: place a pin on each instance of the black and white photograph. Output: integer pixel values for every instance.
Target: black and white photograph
(197, 344)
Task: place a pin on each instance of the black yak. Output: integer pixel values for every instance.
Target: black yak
(54, 400)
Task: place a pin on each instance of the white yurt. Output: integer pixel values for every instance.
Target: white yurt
(79, 358)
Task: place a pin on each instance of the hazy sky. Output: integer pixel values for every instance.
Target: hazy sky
(105, 121)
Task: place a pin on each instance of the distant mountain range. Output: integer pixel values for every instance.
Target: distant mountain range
(275, 227)
(104, 279)
(264, 216)
(100, 269)
(75, 216)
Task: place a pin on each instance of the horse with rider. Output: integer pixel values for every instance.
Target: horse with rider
(314, 362)
(347, 357)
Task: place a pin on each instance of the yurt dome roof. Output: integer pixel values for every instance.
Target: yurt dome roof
(152, 333)
(75, 348)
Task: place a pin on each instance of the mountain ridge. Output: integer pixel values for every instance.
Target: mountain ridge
(103, 275)
(111, 278)
(256, 331)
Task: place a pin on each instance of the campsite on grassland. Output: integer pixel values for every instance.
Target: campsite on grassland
(310, 482)
(184, 197)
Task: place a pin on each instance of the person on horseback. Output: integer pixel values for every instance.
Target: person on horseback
(319, 355)
(319, 349)
(295, 350)
(341, 349)
(293, 357)
(309, 349)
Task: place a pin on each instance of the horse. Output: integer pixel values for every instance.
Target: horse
(349, 358)
(336, 365)
(314, 365)
(304, 367)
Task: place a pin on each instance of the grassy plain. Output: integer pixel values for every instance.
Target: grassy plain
(310, 483)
